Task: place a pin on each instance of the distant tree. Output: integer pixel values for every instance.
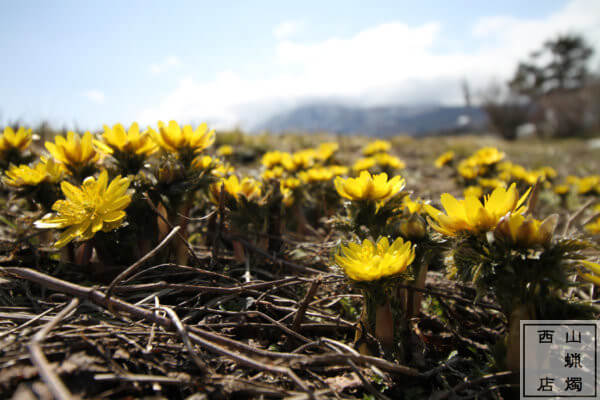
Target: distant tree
(553, 79)
(560, 65)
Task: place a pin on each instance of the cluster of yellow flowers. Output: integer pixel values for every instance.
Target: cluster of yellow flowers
(479, 163)
(585, 185)
(92, 204)
(377, 156)
(490, 236)
(484, 171)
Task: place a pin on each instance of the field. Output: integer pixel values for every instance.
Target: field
(181, 282)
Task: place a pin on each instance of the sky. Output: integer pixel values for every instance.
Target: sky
(82, 64)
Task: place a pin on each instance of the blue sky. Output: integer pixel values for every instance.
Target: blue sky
(85, 63)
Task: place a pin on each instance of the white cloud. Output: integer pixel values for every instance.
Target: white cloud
(391, 62)
(287, 29)
(95, 96)
(168, 63)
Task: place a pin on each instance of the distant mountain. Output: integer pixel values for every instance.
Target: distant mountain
(374, 121)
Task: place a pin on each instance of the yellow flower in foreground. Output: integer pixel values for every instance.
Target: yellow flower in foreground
(74, 151)
(371, 261)
(94, 206)
(127, 142)
(19, 140)
(470, 215)
(444, 159)
(247, 187)
(367, 187)
(522, 231)
(43, 171)
(174, 139)
(377, 146)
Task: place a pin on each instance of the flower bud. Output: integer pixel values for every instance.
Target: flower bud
(413, 228)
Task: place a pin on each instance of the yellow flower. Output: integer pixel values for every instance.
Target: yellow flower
(74, 151)
(317, 174)
(488, 156)
(444, 159)
(273, 158)
(94, 206)
(338, 170)
(127, 142)
(225, 150)
(386, 160)
(291, 183)
(491, 183)
(470, 215)
(412, 207)
(302, 159)
(174, 139)
(547, 172)
(273, 173)
(326, 150)
(519, 172)
(470, 169)
(367, 187)
(371, 261)
(562, 189)
(473, 191)
(247, 187)
(525, 232)
(364, 164)
(203, 162)
(592, 267)
(288, 196)
(377, 146)
(12, 140)
(43, 171)
(588, 184)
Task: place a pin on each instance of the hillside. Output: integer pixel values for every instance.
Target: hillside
(380, 121)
